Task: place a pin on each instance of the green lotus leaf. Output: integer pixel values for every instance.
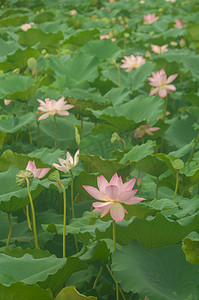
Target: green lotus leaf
(155, 272)
(27, 269)
(21, 291)
(70, 292)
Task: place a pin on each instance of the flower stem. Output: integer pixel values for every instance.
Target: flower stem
(121, 292)
(64, 228)
(28, 218)
(114, 248)
(55, 124)
(97, 278)
(165, 108)
(33, 215)
(114, 235)
(177, 181)
(10, 232)
(194, 147)
(156, 190)
(37, 134)
(118, 74)
(72, 205)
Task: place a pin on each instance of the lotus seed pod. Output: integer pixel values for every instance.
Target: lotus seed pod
(32, 63)
(21, 178)
(43, 51)
(54, 176)
(173, 44)
(126, 35)
(115, 137)
(178, 164)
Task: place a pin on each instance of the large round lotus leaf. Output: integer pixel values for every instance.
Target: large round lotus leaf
(161, 273)
(27, 269)
(21, 291)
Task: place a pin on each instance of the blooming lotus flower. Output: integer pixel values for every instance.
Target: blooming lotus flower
(112, 194)
(170, 1)
(150, 18)
(73, 12)
(39, 173)
(159, 49)
(179, 24)
(52, 107)
(144, 129)
(132, 62)
(26, 26)
(7, 102)
(161, 82)
(68, 163)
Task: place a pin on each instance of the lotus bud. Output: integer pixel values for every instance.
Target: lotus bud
(182, 43)
(139, 181)
(43, 51)
(22, 176)
(148, 54)
(174, 44)
(77, 136)
(32, 63)
(54, 176)
(16, 71)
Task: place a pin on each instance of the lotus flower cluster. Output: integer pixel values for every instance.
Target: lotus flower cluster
(161, 83)
(159, 49)
(39, 173)
(112, 194)
(68, 163)
(132, 62)
(150, 18)
(144, 129)
(52, 107)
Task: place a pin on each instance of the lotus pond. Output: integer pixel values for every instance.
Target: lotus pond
(99, 154)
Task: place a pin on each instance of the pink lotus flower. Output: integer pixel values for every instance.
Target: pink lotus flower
(73, 12)
(159, 49)
(132, 62)
(144, 129)
(170, 1)
(150, 18)
(68, 163)
(160, 81)
(111, 1)
(52, 107)
(112, 194)
(26, 26)
(7, 102)
(39, 173)
(179, 24)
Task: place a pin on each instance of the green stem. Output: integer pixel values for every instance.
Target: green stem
(97, 278)
(121, 292)
(72, 202)
(37, 134)
(114, 235)
(195, 145)
(28, 218)
(156, 190)
(114, 248)
(55, 124)
(165, 108)
(177, 181)
(10, 232)
(30, 135)
(118, 74)
(33, 215)
(64, 228)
